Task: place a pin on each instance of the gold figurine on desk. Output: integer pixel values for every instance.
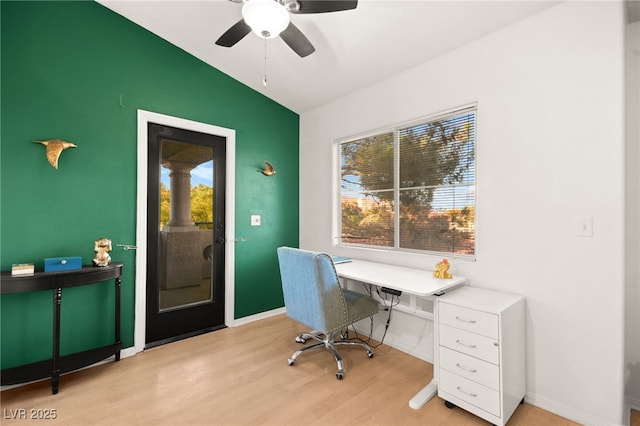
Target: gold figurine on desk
(442, 270)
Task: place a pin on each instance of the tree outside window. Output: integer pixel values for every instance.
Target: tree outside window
(413, 187)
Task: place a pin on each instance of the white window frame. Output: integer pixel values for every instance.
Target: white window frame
(394, 129)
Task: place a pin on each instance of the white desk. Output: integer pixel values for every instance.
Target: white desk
(408, 280)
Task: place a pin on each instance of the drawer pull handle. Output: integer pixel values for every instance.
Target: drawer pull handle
(463, 390)
(463, 319)
(465, 368)
(463, 343)
(63, 261)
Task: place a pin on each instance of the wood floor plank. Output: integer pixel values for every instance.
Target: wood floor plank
(240, 376)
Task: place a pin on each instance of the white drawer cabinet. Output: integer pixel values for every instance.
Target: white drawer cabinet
(480, 356)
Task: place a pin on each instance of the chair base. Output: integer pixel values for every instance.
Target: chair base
(329, 343)
(303, 337)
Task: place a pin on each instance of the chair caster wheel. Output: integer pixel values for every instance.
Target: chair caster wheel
(449, 405)
(370, 354)
(339, 375)
(292, 361)
(299, 339)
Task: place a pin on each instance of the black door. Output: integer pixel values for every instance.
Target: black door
(185, 233)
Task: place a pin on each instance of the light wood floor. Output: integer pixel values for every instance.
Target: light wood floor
(240, 376)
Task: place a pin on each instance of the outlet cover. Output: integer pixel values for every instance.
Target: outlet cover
(584, 226)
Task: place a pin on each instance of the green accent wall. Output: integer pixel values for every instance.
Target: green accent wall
(78, 71)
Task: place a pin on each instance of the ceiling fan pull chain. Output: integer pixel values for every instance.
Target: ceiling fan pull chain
(264, 80)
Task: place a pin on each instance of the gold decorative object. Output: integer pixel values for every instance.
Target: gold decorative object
(442, 270)
(268, 169)
(102, 247)
(55, 148)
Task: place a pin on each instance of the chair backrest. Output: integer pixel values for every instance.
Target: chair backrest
(312, 292)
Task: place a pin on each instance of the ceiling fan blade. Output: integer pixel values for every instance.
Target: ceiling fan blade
(322, 6)
(234, 34)
(297, 41)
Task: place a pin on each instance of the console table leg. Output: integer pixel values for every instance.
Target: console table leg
(55, 382)
(118, 284)
(55, 374)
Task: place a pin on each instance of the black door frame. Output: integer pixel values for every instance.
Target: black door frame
(170, 325)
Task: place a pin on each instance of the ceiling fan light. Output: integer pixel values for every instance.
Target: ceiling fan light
(266, 18)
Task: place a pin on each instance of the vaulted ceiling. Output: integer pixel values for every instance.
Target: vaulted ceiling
(354, 48)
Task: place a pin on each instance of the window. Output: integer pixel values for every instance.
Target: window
(412, 187)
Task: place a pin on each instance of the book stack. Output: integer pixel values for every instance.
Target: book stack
(22, 269)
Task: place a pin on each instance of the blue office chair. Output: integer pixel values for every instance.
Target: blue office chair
(313, 296)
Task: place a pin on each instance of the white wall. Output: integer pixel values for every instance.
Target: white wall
(632, 299)
(550, 93)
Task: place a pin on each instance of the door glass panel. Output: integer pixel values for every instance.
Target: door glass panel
(186, 225)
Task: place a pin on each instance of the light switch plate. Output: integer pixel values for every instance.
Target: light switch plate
(255, 220)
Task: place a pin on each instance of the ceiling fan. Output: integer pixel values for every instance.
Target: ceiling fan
(270, 18)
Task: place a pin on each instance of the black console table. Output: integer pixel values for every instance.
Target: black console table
(56, 281)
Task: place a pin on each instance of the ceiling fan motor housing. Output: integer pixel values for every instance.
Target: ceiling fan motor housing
(267, 18)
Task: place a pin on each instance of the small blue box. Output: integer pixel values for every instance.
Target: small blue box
(55, 264)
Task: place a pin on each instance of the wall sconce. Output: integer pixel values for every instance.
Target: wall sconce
(55, 148)
(268, 169)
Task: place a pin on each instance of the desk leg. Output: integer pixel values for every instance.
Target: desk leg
(55, 374)
(431, 390)
(424, 395)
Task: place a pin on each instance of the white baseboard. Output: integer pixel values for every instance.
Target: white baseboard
(257, 317)
(125, 353)
(565, 411)
(632, 404)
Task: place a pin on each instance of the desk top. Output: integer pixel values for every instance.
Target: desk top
(418, 282)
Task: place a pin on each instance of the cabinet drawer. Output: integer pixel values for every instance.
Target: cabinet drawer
(468, 319)
(469, 343)
(471, 392)
(479, 371)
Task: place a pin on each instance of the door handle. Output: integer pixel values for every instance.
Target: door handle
(127, 246)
